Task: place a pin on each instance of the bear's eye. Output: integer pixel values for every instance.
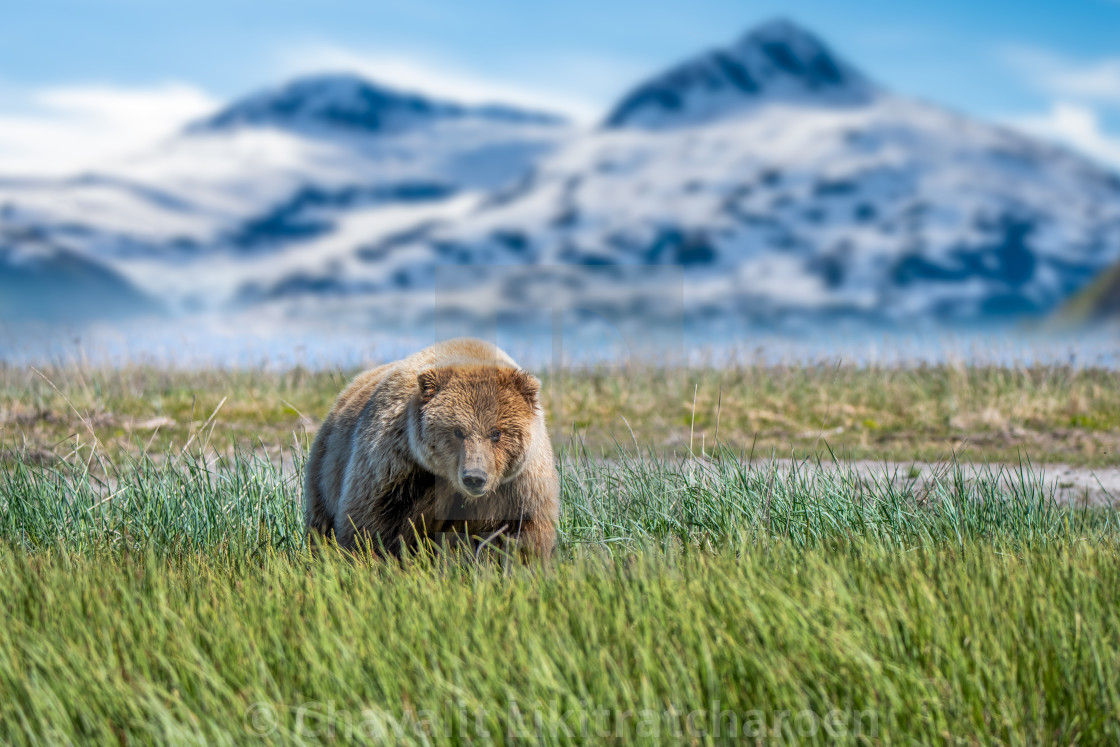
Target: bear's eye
(495, 435)
(459, 434)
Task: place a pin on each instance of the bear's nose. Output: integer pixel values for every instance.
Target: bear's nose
(474, 480)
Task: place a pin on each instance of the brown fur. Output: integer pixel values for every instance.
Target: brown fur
(395, 459)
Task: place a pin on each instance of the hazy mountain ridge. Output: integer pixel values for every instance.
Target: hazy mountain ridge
(1098, 303)
(42, 281)
(320, 103)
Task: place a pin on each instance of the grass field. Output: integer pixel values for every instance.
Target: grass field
(156, 585)
(992, 413)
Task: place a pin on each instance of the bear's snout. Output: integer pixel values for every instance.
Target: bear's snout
(474, 480)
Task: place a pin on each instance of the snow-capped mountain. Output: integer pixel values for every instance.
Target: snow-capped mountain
(785, 183)
(776, 62)
(272, 171)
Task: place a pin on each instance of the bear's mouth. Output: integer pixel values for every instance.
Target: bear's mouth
(472, 494)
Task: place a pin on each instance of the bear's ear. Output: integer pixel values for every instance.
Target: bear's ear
(528, 385)
(431, 381)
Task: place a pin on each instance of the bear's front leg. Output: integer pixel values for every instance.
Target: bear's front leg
(536, 539)
(379, 544)
(352, 537)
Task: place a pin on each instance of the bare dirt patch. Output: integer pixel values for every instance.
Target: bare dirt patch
(1082, 486)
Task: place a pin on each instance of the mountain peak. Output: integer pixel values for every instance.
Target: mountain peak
(775, 61)
(345, 101)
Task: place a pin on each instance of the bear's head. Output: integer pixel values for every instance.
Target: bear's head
(472, 424)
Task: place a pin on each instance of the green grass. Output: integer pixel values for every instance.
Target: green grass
(930, 646)
(249, 506)
(174, 600)
(156, 585)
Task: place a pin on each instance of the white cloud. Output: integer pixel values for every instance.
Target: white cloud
(1075, 125)
(66, 129)
(1079, 92)
(444, 79)
(1097, 80)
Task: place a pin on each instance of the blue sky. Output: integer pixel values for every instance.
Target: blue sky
(85, 80)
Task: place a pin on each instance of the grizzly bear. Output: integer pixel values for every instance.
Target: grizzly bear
(449, 443)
